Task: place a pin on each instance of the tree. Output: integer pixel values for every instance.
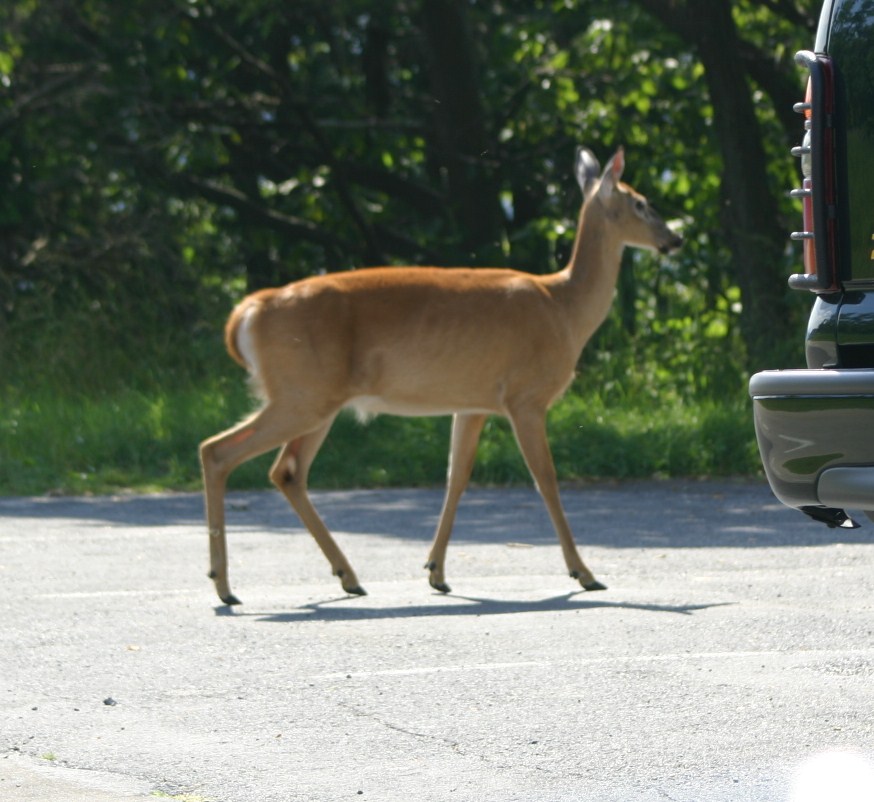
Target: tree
(751, 218)
(186, 150)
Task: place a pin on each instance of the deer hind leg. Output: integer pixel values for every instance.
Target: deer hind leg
(530, 430)
(466, 430)
(289, 473)
(219, 455)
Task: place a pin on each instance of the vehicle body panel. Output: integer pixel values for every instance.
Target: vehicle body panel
(815, 427)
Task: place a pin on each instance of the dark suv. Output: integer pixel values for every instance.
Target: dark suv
(815, 427)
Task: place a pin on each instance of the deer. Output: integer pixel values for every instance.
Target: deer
(421, 341)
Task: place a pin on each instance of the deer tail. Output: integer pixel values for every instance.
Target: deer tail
(239, 338)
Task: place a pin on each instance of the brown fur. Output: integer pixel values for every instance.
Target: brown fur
(424, 341)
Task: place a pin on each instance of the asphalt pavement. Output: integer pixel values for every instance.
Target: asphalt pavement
(731, 657)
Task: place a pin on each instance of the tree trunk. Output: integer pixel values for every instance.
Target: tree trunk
(750, 210)
(461, 134)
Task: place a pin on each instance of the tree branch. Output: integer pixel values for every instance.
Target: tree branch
(287, 90)
(234, 198)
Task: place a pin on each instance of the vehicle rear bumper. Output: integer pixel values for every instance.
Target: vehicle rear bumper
(815, 430)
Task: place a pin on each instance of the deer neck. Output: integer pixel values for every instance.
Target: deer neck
(590, 276)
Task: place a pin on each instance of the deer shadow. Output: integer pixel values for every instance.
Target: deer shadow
(474, 606)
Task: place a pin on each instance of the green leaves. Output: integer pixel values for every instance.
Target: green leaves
(160, 157)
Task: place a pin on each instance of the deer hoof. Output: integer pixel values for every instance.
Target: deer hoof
(230, 599)
(354, 590)
(439, 585)
(593, 585)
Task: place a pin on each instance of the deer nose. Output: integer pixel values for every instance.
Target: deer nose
(673, 244)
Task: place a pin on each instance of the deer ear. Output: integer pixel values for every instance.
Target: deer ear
(612, 173)
(586, 169)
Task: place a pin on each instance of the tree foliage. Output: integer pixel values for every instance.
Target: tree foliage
(160, 157)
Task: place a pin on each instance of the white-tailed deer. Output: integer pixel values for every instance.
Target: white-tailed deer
(470, 342)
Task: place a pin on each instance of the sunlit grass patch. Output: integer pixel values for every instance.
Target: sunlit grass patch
(79, 443)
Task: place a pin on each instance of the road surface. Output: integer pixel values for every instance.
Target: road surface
(731, 658)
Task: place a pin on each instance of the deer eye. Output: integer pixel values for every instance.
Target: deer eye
(640, 206)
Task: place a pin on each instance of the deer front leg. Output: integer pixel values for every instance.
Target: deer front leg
(290, 473)
(466, 430)
(530, 430)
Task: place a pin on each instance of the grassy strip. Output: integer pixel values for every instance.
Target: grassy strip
(148, 441)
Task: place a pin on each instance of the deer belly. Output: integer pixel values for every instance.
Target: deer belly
(366, 406)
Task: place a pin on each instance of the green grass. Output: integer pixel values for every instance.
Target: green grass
(79, 442)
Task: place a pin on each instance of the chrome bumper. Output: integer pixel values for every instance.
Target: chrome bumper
(815, 430)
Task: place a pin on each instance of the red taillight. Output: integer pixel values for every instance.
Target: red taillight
(807, 219)
(819, 190)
